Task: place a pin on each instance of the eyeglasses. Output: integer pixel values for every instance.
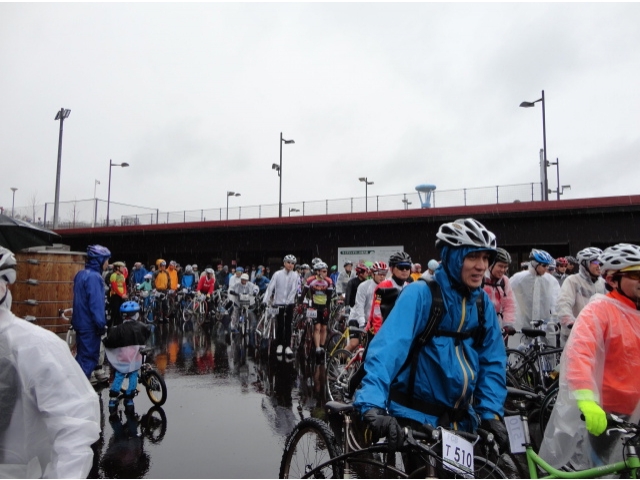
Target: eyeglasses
(403, 267)
(631, 275)
(381, 272)
(596, 262)
(290, 263)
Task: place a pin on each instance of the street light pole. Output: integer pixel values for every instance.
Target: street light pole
(95, 201)
(111, 164)
(13, 202)
(545, 181)
(230, 194)
(279, 169)
(61, 115)
(366, 192)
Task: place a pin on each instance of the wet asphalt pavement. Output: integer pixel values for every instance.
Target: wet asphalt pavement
(229, 409)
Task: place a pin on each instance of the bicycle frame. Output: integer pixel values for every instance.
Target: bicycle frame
(632, 462)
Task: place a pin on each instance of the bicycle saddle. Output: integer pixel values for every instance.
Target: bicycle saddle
(534, 332)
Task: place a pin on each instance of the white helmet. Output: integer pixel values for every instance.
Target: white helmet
(623, 257)
(588, 255)
(314, 261)
(7, 266)
(290, 258)
(465, 232)
(321, 266)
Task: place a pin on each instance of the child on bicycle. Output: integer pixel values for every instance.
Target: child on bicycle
(123, 345)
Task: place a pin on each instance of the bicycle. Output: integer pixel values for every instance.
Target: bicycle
(70, 338)
(312, 451)
(152, 381)
(534, 368)
(341, 367)
(518, 426)
(266, 328)
(197, 309)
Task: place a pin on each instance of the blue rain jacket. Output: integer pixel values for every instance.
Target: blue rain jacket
(88, 299)
(446, 374)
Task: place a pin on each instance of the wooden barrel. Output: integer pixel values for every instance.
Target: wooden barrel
(45, 285)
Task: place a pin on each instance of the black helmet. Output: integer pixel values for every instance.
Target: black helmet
(502, 256)
(399, 257)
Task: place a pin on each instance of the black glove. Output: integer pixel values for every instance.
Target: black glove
(383, 425)
(499, 432)
(509, 330)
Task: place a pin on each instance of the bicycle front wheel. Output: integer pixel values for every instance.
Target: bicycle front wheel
(71, 341)
(522, 369)
(310, 445)
(337, 375)
(156, 388)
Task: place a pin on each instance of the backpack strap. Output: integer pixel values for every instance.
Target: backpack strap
(436, 312)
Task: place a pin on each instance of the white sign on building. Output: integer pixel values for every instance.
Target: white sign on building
(366, 254)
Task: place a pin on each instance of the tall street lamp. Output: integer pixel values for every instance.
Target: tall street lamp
(230, 194)
(13, 202)
(278, 168)
(545, 186)
(366, 192)
(111, 164)
(61, 115)
(95, 201)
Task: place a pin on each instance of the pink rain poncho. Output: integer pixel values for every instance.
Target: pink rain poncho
(600, 356)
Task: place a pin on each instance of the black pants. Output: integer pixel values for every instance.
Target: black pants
(283, 325)
(115, 302)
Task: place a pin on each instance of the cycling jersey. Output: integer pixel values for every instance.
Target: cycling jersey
(364, 299)
(118, 284)
(206, 285)
(319, 291)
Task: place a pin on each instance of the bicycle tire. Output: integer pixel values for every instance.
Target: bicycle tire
(154, 424)
(71, 342)
(309, 445)
(336, 369)
(522, 368)
(156, 388)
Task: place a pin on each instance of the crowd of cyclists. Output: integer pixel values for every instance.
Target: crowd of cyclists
(436, 342)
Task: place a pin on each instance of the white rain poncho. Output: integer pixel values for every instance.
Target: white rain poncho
(536, 297)
(575, 293)
(49, 413)
(601, 356)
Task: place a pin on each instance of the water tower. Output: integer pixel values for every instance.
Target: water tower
(424, 192)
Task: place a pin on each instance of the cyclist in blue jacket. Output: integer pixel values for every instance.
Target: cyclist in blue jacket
(459, 378)
(89, 319)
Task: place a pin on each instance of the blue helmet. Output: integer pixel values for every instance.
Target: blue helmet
(541, 256)
(98, 251)
(130, 307)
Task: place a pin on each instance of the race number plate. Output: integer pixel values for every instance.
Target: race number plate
(273, 311)
(457, 453)
(312, 313)
(515, 429)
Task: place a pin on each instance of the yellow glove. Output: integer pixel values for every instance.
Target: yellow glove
(594, 415)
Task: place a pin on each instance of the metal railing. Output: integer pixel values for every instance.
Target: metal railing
(92, 212)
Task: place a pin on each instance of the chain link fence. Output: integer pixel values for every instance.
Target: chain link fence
(92, 212)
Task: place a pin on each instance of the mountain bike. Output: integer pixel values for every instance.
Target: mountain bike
(312, 451)
(266, 328)
(518, 426)
(534, 366)
(152, 381)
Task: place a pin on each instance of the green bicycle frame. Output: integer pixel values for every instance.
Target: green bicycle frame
(533, 460)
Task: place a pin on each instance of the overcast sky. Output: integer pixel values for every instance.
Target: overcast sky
(194, 97)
